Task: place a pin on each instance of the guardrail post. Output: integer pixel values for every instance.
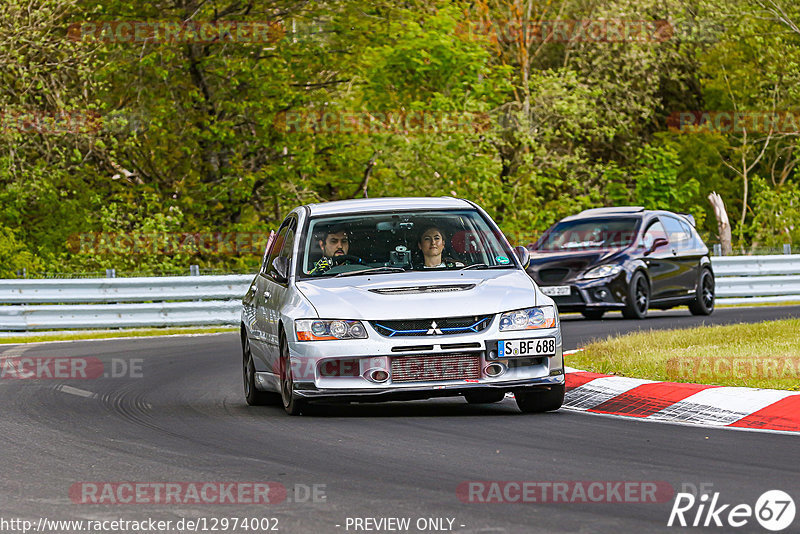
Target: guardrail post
(787, 248)
(717, 250)
(111, 273)
(194, 270)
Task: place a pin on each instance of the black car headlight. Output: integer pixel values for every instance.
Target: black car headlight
(326, 330)
(603, 271)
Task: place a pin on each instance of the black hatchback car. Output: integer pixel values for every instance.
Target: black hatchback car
(628, 259)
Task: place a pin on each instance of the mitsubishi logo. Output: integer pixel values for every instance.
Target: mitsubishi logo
(434, 329)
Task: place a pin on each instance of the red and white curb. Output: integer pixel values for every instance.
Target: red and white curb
(675, 402)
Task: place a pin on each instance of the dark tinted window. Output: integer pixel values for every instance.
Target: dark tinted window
(653, 232)
(678, 233)
(589, 234)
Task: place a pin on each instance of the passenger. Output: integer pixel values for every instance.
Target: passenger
(431, 242)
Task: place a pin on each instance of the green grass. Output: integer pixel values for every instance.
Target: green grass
(760, 355)
(109, 334)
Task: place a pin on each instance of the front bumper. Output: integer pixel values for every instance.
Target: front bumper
(377, 351)
(608, 293)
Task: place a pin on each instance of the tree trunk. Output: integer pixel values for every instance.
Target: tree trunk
(723, 225)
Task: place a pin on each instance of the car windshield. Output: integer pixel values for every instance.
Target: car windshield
(384, 243)
(590, 234)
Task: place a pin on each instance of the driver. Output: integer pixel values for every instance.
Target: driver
(335, 242)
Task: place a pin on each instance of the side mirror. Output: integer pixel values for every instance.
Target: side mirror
(523, 256)
(281, 266)
(658, 242)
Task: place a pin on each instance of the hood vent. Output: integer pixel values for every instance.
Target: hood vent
(423, 289)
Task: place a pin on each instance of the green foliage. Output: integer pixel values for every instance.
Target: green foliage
(195, 137)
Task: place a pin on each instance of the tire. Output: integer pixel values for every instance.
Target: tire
(484, 397)
(291, 403)
(638, 297)
(703, 303)
(540, 401)
(594, 315)
(252, 395)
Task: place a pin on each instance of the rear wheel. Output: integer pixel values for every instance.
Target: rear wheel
(638, 297)
(291, 403)
(533, 401)
(593, 314)
(253, 396)
(703, 304)
(484, 397)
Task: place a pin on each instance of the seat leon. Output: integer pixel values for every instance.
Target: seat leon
(628, 259)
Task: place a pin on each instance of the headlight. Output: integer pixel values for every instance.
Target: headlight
(602, 271)
(322, 330)
(528, 319)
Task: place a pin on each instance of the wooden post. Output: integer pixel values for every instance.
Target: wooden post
(723, 225)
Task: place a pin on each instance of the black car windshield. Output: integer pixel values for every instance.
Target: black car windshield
(385, 243)
(591, 234)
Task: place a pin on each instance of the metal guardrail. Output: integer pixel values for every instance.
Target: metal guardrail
(121, 302)
(36, 304)
(757, 279)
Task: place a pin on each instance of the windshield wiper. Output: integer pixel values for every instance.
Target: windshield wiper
(372, 270)
(475, 266)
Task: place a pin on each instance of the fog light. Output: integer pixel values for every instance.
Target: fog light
(601, 294)
(495, 369)
(377, 375)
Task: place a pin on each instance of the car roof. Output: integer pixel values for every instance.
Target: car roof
(386, 204)
(625, 211)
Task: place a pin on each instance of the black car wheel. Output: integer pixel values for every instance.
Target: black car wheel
(253, 396)
(638, 297)
(292, 404)
(703, 303)
(484, 397)
(593, 314)
(540, 401)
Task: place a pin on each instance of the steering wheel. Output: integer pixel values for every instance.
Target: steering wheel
(347, 258)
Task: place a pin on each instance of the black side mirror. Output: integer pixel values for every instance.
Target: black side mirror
(523, 256)
(281, 266)
(658, 242)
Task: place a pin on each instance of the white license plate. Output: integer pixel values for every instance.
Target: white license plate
(522, 348)
(555, 291)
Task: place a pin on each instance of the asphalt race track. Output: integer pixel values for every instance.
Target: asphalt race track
(180, 416)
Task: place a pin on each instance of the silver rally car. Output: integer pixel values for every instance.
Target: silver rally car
(397, 299)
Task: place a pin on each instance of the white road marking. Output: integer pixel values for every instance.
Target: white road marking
(16, 350)
(75, 391)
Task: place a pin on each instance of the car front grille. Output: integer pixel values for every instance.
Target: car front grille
(552, 275)
(439, 327)
(435, 367)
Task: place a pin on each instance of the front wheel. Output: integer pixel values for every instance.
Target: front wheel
(703, 303)
(291, 403)
(540, 401)
(252, 395)
(638, 297)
